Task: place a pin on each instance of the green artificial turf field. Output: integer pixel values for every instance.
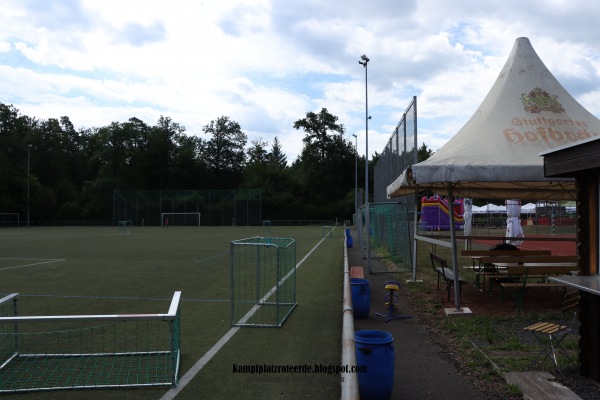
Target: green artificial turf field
(96, 270)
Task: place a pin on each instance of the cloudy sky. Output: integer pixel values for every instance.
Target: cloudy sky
(266, 63)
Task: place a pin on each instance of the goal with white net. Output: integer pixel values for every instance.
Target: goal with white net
(87, 351)
(180, 219)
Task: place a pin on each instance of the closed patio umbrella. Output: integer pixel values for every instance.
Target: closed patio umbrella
(513, 222)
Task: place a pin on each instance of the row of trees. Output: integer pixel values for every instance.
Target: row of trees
(57, 172)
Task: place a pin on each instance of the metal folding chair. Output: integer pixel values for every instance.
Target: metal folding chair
(551, 334)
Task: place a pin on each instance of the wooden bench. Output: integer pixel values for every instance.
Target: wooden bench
(522, 277)
(357, 272)
(541, 260)
(478, 255)
(440, 267)
(481, 268)
(492, 253)
(546, 259)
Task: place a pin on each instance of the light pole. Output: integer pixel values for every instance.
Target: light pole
(355, 178)
(28, 156)
(364, 60)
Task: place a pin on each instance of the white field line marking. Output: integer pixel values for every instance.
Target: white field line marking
(34, 264)
(185, 379)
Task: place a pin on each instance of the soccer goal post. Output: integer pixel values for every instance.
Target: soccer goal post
(9, 219)
(88, 351)
(263, 281)
(124, 227)
(267, 226)
(180, 219)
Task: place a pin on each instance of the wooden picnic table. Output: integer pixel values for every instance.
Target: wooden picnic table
(481, 261)
(522, 276)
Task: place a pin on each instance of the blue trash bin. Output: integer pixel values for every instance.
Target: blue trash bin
(375, 352)
(347, 231)
(349, 241)
(361, 297)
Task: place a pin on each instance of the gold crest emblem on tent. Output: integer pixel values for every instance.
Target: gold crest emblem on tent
(539, 100)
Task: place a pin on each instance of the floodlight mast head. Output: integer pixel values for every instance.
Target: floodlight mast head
(364, 60)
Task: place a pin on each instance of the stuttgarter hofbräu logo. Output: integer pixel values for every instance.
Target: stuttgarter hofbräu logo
(541, 129)
(539, 100)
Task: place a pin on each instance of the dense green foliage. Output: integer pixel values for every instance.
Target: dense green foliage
(73, 172)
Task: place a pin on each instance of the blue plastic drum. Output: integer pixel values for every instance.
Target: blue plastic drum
(349, 242)
(361, 297)
(375, 352)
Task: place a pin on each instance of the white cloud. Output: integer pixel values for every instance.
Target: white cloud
(266, 63)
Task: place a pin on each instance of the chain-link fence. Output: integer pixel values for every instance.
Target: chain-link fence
(215, 207)
(390, 233)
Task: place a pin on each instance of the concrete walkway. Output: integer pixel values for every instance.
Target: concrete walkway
(422, 370)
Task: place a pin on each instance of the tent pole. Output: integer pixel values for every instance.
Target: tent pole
(453, 247)
(415, 233)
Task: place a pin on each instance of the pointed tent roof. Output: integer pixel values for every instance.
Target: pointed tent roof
(496, 153)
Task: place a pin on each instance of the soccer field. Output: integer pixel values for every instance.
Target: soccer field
(96, 270)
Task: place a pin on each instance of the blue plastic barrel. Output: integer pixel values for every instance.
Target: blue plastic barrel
(375, 352)
(361, 297)
(347, 232)
(349, 241)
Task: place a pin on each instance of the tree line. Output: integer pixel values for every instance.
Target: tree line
(54, 172)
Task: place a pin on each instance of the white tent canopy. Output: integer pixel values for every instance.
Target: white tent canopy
(528, 208)
(496, 153)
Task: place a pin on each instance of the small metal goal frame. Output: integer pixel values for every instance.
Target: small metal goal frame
(263, 281)
(124, 227)
(88, 351)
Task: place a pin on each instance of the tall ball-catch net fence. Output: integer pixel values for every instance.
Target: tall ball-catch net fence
(262, 281)
(87, 351)
(188, 207)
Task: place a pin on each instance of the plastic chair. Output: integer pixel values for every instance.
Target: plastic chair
(551, 335)
(390, 301)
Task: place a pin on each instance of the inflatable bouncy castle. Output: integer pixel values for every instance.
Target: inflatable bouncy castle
(435, 214)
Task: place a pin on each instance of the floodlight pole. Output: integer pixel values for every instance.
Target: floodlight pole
(364, 61)
(355, 178)
(28, 158)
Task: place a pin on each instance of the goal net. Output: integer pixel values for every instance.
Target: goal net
(9, 219)
(327, 230)
(124, 227)
(267, 226)
(263, 281)
(87, 351)
(180, 219)
(217, 207)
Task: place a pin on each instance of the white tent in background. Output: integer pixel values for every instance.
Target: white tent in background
(492, 208)
(496, 154)
(528, 208)
(477, 210)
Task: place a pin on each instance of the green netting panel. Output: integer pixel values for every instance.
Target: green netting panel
(263, 281)
(389, 232)
(8, 308)
(215, 207)
(47, 353)
(327, 230)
